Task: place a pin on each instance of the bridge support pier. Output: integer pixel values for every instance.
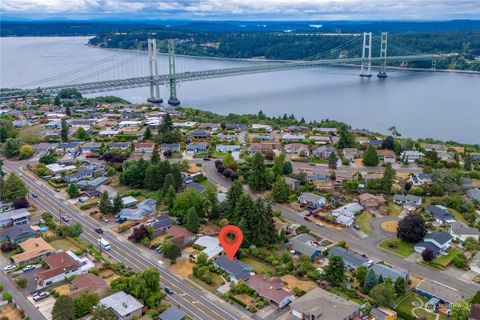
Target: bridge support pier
(153, 67)
(366, 67)
(382, 73)
(173, 100)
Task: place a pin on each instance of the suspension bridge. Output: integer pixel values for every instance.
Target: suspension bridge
(357, 51)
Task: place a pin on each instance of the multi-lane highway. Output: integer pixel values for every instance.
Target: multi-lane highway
(193, 302)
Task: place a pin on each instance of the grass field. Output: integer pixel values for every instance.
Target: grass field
(65, 244)
(182, 268)
(444, 261)
(293, 282)
(258, 266)
(217, 282)
(364, 220)
(393, 210)
(390, 226)
(404, 249)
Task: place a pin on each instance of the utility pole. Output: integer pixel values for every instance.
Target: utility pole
(382, 73)
(153, 67)
(366, 57)
(173, 100)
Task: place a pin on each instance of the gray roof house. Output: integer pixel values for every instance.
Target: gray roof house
(197, 147)
(474, 194)
(438, 241)
(304, 244)
(172, 313)
(199, 134)
(235, 268)
(407, 199)
(161, 224)
(123, 305)
(173, 147)
(17, 233)
(389, 272)
(145, 208)
(352, 259)
(81, 174)
(461, 231)
(14, 217)
(92, 184)
(324, 152)
(440, 214)
(311, 201)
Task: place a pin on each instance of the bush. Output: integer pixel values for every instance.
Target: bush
(21, 282)
(393, 243)
(7, 297)
(298, 292)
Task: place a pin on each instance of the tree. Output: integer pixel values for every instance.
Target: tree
(370, 281)
(187, 199)
(21, 282)
(467, 163)
(360, 274)
(63, 309)
(192, 222)
(476, 298)
(11, 147)
(21, 203)
(81, 134)
(171, 251)
(460, 261)
(105, 205)
(138, 233)
(85, 303)
(428, 255)
(332, 160)
(48, 158)
(383, 294)
(72, 190)
(169, 198)
(388, 178)
(280, 190)
(57, 102)
(334, 272)
(370, 158)
(258, 179)
(388, 143)
(117, 205)
(460, 310)
(155, 159)
(233, 196)
(153, 180)
(64, 131)
(147, 135)
(144, 285)
(228, 160)
(101, 312)
(346, 140)
(14, 188)
(399, 286)
(411, 228)
(25, 152)
(287, 168)
(278, 164)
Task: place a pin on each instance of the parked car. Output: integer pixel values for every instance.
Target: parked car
(28, 267)
(9, 267)
(57, 190)
(356, 227)
(206, 159)
(105, 219)
(65, 218)
(99, 230)
(34, 195)
(306, 218)
(319, 224)
(82, 199)
(121, 220)
(40, 295)
(168, 290)
(42, 221)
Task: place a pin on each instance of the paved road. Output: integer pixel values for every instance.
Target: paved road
(366, 246)
(193, 302)
(20, 299)
(321, 166)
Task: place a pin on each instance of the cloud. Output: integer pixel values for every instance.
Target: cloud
(301, 9)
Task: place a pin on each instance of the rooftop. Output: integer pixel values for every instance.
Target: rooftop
(122, 303)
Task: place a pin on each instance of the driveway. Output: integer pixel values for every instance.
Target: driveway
(30, 276)
(45, 306)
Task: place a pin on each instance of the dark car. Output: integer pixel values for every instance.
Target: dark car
(99, 230)
(65, 218)
(168, 290)
(206, 159)
(121, 220)
(356, 227)
(306, 219)
(34, 195)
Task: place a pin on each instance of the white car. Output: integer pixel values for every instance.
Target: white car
(40, 296)
(9, 267)
(28, 267)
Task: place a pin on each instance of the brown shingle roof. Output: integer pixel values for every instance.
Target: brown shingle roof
(270, 288)
(88, 282)
(32, 248)
(59, 263)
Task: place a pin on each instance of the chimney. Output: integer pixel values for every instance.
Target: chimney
(125, 305)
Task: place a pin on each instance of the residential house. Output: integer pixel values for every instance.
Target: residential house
(124, 146)
(271, 289)
(297, 129)
(294, 184)
(352, 153)
(264, 127)
(129, 123)
(382, 313)
(288, 137)
(67, 147)
(227, 137)
(440, 214)
(185, 125)
(145, 208)
(92, 184)
(474, 194)
(329, 131)
(161, 224)
(421, 178)
(17, 233)
(144, 147)
(197, 147)
(5, 206)
(123, 305)
(351, 259)
(345, 215)
(298, 149)
(306, 245)
(461, 232)
(58, 168)
(321, 139)
(411, 156)
(319, 304)
(236, 269)
(172, 147)
(390, 272)
(387, 156)
(323, 152)
(172, 313)
(211, 245)
(88, 282)
(81, 174)
(317, 176)
(61, 265)
(370, 201)
(180, 236)
(128, 201)
(376, 143)
(199, 134)
(108, 133)
(14, 217)
(227, 148)
(341, 176)
(437, 241)
(32, 250)
(54, 124)
(311, 201)
(408, 199)
(433, 289)
(92, 147)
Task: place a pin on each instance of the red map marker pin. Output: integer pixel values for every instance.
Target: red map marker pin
(230, 246)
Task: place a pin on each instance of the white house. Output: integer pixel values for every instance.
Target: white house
(227, 148)
(123, 305)
(345, 215)
(311, 201)
(411, 156)
(437, 241)
(460, 231)
(212, 246)
(61, 265)
(265, 127)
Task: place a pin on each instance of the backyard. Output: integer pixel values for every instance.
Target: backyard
(65, 244)
(401, 248)
(258, 266)
(411, 304)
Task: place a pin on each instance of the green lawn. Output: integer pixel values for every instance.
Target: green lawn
(406, 304)
(320, 161)
(258, 266)
(126, 191)
(405, 249)
(206, 183)
(444, 261)
(217, 282)
(457, 215)
(393, 210)
(65, 244)
(364, 220)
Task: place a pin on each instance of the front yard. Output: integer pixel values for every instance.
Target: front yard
(364, 220)
(404, 249)
(443, 261)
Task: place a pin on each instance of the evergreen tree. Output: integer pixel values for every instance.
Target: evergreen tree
(346, 140)
(370, 281)
(388, 178)
(399, 286)
(332, 160)
(210, 195)
(278, 163)
(171, 251)
(68, 110)
(370, 158)
(177, 176)
(192, 222)
(155, 159)
(280, 190)
(233, 196)
(244, 212)
(57, 102)
(72, 190)
(64, 131)
(105, 205)
(258, 179)
(11, 147)
(14, 188)
(169, 182)
(287, 168)
(167, 124)
(81, 134)
(147, 135)
(117, 204)
(152, 180)
(383, 294)
(334, 272)
(263, 225)
(169, 197)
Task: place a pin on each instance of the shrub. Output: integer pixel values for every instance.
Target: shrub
(21, 282)
(7, 297)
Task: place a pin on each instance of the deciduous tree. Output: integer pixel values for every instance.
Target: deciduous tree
(14, 188)
(192, 222)
(63, 309)
(411, 228)
(280, 190)
(383, 294)
(334, 272)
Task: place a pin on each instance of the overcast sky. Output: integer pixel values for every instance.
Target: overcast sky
(247, 9)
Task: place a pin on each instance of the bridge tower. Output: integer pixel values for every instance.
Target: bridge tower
(153, 66)
(366, 56)
(173, 100)
(382, 73)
